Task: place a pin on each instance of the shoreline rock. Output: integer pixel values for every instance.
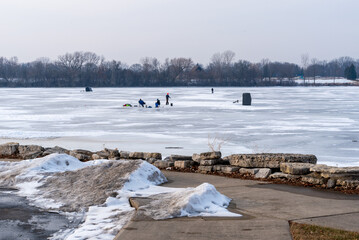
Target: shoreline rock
(285, 168)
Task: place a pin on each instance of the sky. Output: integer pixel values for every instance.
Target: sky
(128, 30)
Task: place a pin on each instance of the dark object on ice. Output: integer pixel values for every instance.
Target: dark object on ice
(88, 89)
(167, 98)
(246, 99)
(171, 104)
(212, 90)
(237, 101)
(158, 103)
(141, 102)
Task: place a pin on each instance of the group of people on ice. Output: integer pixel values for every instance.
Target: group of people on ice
(157, 103)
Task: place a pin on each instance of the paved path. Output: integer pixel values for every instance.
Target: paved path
(266, 210)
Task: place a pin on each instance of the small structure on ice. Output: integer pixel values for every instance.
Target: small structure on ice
(88, 89)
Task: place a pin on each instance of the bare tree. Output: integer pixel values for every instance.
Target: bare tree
(314, 63)
(305, 63)
(228, 57)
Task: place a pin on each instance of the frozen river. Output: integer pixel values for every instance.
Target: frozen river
(319, 120)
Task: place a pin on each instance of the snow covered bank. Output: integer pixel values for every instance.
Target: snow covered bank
(99, 191)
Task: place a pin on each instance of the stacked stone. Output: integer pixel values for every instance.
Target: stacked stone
(170, 161)
(262, 165)
(287, 167)
(17, 151)
(347, 177)
(181, 161)
(207, 161)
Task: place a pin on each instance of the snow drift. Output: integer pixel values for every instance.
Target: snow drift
(98, 192)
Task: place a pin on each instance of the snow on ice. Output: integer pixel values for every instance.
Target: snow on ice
(311, 120)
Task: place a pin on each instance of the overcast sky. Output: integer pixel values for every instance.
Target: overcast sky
(128, 30)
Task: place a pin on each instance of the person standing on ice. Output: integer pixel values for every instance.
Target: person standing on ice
(141, 102)
(167, 98)
(212, 90)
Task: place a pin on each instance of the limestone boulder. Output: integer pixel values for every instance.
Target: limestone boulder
(124, 154)
(331, 183)
(281, 175)
(154, 155)
(218, 168)
(210, 155)
(208, 162)
(163, 164)
(82, 155)
(30, 151)
(151, 160)
(348, 183)
(296, 168)
(251, 171)
(263, 173)
(112, 153)
(343, 173)
(196, 157)
(268, 160)
(55, 149)
(179, 158)
(205, 169)
(321, 168)
(137, 155)
(229, 169)
(183, 164)
(224, 161)
(313, 178)
(9, 150)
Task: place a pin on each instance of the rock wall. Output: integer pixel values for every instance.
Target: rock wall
(271, 166)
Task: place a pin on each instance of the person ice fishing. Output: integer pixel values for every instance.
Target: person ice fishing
(158, 103)
(212, 90)
(141, 102)
(167, 98)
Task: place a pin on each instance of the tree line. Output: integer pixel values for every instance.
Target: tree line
(81, 69)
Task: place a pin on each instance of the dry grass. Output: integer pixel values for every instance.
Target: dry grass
(216, 142)
(311, 232)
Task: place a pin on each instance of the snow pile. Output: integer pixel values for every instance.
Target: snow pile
(203, 200)
(145, 176)
(102, 222)
(34, 170)
(98, 192)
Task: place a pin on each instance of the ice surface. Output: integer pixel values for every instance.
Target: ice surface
(314, 120)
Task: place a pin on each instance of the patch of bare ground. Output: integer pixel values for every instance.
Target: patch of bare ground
(88, 186)
(311, 232)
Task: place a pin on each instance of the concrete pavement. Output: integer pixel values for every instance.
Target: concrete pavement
(266, 210)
